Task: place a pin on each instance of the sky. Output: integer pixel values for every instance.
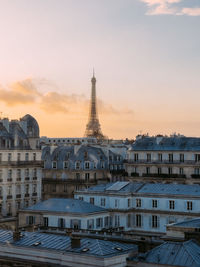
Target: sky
(146, 55)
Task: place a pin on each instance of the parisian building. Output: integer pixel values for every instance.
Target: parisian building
(174, 159)
(20, 164)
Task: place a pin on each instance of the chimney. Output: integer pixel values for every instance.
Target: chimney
(16, 233)
(75, 242)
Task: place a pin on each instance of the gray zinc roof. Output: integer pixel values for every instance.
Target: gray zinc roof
(170, 189)
(63, 243)
(175, 254)
(126, 187)
(193, 223)
(66, 205)
(177, 143)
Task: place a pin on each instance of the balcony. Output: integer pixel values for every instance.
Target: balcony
(18, 179)
(195, 176)
(27, 178)
(163, 175)
(35, 178)
(9, 180)
(34, 194)
(9, 196)
(18, 196)
(36, 163)
(161, 162)
(135, 174)
(26, 195)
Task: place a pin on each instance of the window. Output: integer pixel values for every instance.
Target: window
(147, 170)
(34, 188)
(26, 203)
(170, 157)
(80, 198)
(65, 188)
(181, 157)
(78, 176)
(136, 157)
(9, 210)
(106, 221)
(181, 172)
(1, 191)
(129, 202)
(27, 188)
(26, 156)
(159, 157)
(171, 204)
(10, 174)
(46, 221)
(138, 202)
(129, 220)
(169, 170)
(61, 223)
(9, 190)
(34, 156)
(27, 173)
(154, 203)
(54, 164)
(148, 157)
(138, 220)
(189, 205)
(18, 173)
(92, 200)
(95, 165)
(9, 156)
(87, 177)
(196, 171)
(31, 220)
(103, 202)
(95, 176)
(18, 204)
(102, 165)
(87, 165)
(18, 156)
(77, 165)
(0, 156)
(53, 188)
(99, 222)
(154, 221)
(117, 220)
(197, 157)
(116, 203)
(65, 164)
(159, 170)
(34, 172)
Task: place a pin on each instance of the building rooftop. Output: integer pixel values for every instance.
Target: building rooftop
(66, 205)
(145, 188)
(176, 143)
(173, 254)
(193, 223)
(37, 240)
(170, 189)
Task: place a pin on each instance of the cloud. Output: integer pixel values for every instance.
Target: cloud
(29, 92)
(170, 7)
(20, 93)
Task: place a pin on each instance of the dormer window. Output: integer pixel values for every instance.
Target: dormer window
(87, 165)
(65, 164)
(54, 164)
(77, 165)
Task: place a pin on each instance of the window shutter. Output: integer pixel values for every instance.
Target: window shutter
(27, 220)
(133, 220)
(33, 219)
(141, 220)
(71, 223)
(158, 220)
(150, 221)
(79, 224)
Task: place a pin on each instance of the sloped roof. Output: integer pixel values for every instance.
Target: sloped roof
(99, 248)
(174, 254)
(66, 205)
(177, 143)
(126, 187)
(193, 223)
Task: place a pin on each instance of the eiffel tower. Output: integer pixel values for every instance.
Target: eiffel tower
(93, 128)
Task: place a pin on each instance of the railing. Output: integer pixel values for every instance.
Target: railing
(189, 162)
(21, 163)
(27, 178)
(35, 178)
(26, 195)
(164, 175)
(34, 194)
(18, 196)
(9, 180)
(9, 197)
(18, 179)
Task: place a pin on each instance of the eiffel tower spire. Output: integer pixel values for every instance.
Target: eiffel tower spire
(93, 128)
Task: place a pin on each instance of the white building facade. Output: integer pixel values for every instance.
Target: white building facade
(145, 207)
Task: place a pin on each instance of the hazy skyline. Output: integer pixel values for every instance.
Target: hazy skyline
(145, 53)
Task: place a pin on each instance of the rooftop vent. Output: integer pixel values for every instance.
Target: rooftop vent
(85, 249)
(37, 244)
(118, 249)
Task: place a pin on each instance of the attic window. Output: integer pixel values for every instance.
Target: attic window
(85, 249)
(37, 244)
(118, 249)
